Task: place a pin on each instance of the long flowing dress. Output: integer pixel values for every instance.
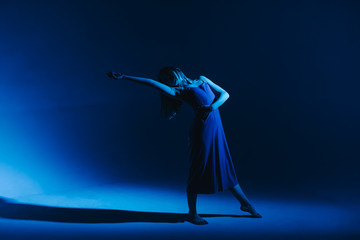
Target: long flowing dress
(211, 168)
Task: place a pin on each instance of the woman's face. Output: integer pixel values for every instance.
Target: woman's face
(169, 79)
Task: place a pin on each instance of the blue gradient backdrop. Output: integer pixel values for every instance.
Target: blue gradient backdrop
(291, 68)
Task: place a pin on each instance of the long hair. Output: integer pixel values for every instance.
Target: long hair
(173, 77)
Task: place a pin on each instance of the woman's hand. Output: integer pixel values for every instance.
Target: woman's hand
(204, 111)
(115, 75)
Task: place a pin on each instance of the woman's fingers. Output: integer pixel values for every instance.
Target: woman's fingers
(110, 75)
(114, 75)
(204, 112)
(205, 115)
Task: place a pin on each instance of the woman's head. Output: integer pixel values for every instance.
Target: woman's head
(173, 77)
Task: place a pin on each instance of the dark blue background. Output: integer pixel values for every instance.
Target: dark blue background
(291, 68)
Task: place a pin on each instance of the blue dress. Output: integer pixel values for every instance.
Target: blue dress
(211, 168)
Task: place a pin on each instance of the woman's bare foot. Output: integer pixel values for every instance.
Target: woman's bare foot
(250, 209)
(196, 219)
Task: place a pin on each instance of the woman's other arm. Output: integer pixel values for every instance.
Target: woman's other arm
(146, 81)
(222, 97)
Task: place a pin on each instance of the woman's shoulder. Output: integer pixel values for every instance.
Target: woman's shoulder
(203, 78)
(195, 83)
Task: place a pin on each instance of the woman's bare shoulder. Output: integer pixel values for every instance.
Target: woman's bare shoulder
(205, 79)
(212, 84)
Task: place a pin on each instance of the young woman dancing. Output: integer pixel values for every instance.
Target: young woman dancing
(211, 168)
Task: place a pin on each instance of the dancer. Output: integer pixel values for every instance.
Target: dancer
(211, 168)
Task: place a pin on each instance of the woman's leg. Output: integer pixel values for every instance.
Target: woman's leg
(193, 216)
(240, 195)
(244, 201)
(191, 198)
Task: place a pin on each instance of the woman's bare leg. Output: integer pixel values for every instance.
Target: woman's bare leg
(239, 195)
(193, 216)
(244, 201)
(191, 198)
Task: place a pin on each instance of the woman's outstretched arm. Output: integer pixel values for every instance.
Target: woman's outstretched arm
(146, 81)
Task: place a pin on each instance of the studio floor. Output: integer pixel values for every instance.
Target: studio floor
(124, 211)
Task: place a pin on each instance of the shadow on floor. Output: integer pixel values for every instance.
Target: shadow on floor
(13, 210)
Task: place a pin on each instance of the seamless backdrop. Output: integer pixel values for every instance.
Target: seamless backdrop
(291, 68)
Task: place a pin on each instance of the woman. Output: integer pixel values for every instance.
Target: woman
(211, 167)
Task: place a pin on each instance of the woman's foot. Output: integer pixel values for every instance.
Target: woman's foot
(250, 209)
(196, 219)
